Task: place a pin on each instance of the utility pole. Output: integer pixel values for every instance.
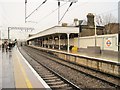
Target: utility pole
(25, 9)
(72, 1)
(58, 12)
(26, 17)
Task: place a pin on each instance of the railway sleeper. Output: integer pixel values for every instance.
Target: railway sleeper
(65, 88)
(53, 80)
(49, 75)
(49, 78)
(56, 83)
(44, 73)
(60, 86)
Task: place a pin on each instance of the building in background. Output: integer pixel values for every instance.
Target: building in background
(111, 28)
(80, 35)
(88, 27)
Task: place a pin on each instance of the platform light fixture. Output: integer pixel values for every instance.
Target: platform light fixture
(95, 30)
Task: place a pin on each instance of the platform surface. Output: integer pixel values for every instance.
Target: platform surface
(16, 72)
(93, 56)
(0, 68)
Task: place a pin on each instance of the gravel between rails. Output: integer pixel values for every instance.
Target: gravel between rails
(72, 75)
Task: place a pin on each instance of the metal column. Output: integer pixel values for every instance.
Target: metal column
(53, 42)
(42, 42)
(59, 41)
(68, 45)
(48, 42)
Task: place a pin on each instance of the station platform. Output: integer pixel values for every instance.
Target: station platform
(16, 72)
(108, 58)
(106, 64)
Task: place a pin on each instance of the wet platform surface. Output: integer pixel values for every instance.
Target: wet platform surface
(0, 69)
(7, 70)
(16, 72)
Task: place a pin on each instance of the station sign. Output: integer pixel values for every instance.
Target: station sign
(108, 42)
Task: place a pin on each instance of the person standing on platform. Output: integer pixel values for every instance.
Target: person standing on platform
(6, 45)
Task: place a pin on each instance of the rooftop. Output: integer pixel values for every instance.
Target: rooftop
(56, 30)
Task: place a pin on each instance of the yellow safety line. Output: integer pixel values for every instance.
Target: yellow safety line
(29, 85)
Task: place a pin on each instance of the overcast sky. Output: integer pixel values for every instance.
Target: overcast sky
(12, 13)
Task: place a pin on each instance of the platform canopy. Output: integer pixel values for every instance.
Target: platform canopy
(56, 30)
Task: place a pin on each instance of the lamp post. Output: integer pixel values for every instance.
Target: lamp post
(79, 34)
(95, 31)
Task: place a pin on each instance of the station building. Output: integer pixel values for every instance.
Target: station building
(88, 37)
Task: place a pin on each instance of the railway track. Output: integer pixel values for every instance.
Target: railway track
(115, 82)
(53, 79)
(112, 84)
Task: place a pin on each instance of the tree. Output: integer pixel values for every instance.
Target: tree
(109, 21)
(109, 18)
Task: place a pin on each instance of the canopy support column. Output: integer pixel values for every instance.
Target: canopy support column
(68, 42)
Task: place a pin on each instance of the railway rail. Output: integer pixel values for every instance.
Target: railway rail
(113, 84)
(53, 79)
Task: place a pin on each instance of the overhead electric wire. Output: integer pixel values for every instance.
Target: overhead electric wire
(35, 9)
(66, 11)
(50, 13)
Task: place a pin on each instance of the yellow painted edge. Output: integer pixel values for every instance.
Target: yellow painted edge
(18, 74)
(29, 85)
